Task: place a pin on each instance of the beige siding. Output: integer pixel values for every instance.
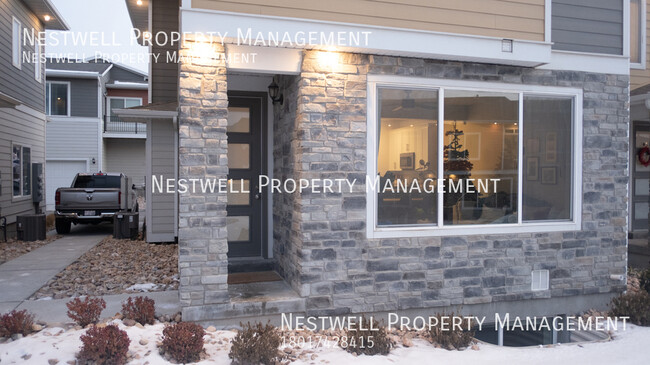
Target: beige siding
(25, 129)
(126, 156)
(517, 19)
(163, 156)
(642, 77)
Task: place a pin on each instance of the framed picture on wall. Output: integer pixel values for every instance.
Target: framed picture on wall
(549, 175)
(532, 168)
(532, 146)
(551, 147)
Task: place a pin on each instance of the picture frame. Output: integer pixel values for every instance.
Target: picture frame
(532, 146)
(549, 175)
(551, 147)
(532, 168)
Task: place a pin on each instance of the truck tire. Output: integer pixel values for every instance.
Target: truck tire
(62, 226)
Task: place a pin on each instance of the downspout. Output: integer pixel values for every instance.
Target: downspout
(100, 125)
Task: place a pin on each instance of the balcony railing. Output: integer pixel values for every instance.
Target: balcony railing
(113, 124)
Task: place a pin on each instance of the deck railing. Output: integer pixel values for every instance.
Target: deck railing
(113, 124)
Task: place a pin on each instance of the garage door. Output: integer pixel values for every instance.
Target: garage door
(60, 174)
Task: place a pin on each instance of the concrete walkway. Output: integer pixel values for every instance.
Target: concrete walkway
(24, 275)
(55, 311)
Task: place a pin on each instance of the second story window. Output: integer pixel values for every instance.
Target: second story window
(16, 44)
(57, 95)
(637, 39)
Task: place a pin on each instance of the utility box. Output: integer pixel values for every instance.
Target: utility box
(31, 227)
(125, 225)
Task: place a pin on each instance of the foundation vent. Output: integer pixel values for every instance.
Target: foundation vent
(540, 280)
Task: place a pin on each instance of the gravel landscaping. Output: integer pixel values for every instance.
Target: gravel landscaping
(13, 248)
(116, 267)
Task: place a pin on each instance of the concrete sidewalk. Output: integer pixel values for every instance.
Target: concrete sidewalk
(24, 275)
(55, 311)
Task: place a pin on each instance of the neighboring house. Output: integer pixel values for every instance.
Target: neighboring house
(22, 104)
(83, 135)
(639, 193)
(533, 93)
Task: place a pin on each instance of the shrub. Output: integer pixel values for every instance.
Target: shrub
(644, 280)
(183, 342)
(634, 305)
(368, 337)
(87, 311)
(16, 322)
(255, 344)
(450, 338)
(107, 345)
(140, 309)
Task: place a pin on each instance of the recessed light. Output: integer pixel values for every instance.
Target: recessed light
(47, 18)
(139, 2)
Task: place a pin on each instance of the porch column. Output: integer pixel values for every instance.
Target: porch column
(202, 236)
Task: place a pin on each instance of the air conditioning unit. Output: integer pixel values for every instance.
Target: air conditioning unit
(31, 227)
(126, 225)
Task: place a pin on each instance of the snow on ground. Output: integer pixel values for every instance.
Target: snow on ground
(626, 348)
(143, 287)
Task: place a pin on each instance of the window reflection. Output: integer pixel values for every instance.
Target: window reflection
(408, 145)
(481, 143)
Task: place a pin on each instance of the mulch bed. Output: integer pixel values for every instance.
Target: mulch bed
(115, 267)
(13, 248)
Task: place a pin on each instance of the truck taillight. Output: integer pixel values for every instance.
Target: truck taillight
(57, 198)
(119, 198)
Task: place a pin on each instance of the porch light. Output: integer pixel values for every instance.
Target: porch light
(274, 93)
(139, 2)
(47, 18)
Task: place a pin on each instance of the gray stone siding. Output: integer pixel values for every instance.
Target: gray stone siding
(339, 270)
(203, 246)
(320, 243)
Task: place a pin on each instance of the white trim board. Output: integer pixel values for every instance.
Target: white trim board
(435, 231)
(382, 40)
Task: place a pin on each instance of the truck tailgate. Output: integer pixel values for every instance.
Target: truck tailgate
(95, 199)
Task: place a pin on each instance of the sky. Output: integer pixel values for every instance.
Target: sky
(96, 27)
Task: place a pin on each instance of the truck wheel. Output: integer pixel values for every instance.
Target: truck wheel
(62, 226)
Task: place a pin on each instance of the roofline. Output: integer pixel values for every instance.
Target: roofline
(118, 64)
(57, 16)
(144, 113)
(72, 74)
(128, 86)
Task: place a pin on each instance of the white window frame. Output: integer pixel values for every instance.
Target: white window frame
(641, 65)
(376, 81)
(125, 98)
(38, 70)
(22, 177)
(16, 42)
(48, 85)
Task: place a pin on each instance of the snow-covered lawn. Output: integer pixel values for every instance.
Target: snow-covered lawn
(627, 347)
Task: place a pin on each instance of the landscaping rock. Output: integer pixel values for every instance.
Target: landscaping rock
(109, 268)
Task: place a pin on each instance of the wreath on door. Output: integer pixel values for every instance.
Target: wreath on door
(644, 155)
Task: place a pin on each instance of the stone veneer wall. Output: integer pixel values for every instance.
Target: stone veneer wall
(287, 144)
(320, 240)
(202, 235)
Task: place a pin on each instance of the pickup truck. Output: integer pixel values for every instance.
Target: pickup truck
(93, 198)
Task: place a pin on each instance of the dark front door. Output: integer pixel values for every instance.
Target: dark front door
(246, 208)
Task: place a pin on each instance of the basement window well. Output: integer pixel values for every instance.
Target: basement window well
(515, 336)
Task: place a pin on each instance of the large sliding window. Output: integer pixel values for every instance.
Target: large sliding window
(452, 157)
